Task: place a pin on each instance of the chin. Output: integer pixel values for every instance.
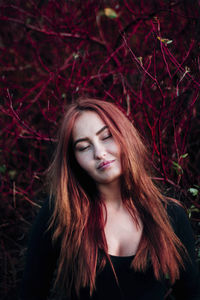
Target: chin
(110, 179)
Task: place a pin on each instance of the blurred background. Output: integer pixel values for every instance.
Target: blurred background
(141, 55)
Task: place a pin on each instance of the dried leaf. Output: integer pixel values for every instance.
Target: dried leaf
(110, 13)
(140, 60)
(164, 41)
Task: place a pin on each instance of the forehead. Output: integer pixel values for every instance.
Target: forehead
(88, 123)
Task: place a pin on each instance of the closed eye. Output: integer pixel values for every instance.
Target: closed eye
(106, 134)
(107, 137)
(82, 148)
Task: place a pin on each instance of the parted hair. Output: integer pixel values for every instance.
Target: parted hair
(77, 217)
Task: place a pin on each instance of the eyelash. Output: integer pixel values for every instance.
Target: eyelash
(83, 148)
(104, 138)
(107, 137)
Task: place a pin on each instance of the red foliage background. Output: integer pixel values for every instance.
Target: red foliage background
(142, 55)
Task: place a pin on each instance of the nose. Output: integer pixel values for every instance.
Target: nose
(99, 151)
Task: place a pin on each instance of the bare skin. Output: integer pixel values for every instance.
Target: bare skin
(94, 146)
(122, 234)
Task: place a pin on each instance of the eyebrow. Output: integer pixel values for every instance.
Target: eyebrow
(86, 139)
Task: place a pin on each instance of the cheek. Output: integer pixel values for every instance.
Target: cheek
(83, 160)
(115, 150)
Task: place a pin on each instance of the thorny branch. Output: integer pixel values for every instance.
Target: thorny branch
(144, 58)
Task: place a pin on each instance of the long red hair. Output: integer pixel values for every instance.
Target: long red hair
(77, 207)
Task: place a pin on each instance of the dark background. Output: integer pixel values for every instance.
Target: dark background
(141, 55)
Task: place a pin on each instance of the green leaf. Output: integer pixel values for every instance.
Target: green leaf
(197, 186)
(193, 191)
(175, 164)
(3, 169)
(110, 13)
(184, 155)
(192, 209)
(177, 168)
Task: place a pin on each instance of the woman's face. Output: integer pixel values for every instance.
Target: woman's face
(95, 149)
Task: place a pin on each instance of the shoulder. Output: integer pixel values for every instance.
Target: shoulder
(46, 210)
(182, 227)
(176, 211)
(41, 257)
(178, 217)
(40, 231)
(43, 215)
(187, 287)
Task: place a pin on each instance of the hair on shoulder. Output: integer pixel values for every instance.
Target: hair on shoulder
(78, 217)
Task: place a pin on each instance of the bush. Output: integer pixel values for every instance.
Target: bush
(143, 57)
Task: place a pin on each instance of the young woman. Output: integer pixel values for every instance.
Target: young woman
(107, 232)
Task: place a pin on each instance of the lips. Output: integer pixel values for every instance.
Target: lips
(105, 164)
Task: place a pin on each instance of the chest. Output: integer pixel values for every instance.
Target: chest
(122, 234)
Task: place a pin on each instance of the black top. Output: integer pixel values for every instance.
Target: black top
(42, 258)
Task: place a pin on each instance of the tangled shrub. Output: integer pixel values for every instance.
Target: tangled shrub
(144, 57)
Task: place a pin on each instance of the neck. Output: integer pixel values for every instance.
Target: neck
(111, 194)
